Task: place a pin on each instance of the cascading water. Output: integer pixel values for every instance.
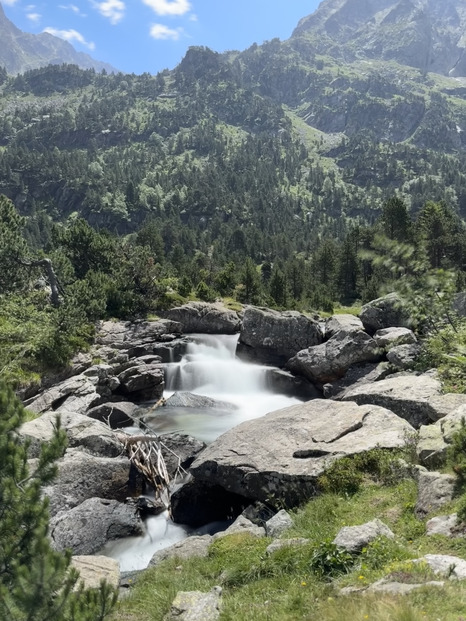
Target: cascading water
(209, 368)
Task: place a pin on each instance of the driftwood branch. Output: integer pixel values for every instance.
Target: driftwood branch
(146, 455)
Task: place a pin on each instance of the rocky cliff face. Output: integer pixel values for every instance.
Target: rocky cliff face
(425, 34)
(22, 51)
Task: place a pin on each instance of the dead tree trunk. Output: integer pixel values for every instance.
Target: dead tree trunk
(46, 264)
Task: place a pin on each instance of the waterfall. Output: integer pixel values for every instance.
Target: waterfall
(208, 368)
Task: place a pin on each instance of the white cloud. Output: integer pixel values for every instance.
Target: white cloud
(159, 31)
(169, 7)
(70, 36)
(114, 10)
(33, 17)
(193, 17)
(74, 8)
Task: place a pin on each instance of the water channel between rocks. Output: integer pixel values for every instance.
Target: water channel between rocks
(209, 368)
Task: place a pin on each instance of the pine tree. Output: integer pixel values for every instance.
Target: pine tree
(36, 582)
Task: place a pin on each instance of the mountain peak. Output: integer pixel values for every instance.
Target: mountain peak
(22, 51)
(426, 34)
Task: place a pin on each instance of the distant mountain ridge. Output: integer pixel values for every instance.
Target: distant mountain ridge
(426, 34)
(21, 51)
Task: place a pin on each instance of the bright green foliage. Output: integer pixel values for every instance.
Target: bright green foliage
(328, 560)
(36, 582)
(12, 248)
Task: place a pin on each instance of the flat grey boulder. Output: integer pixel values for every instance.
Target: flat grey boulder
(85, 529)
(451, 567)
(115, 414)
(204, 318)
(342, 323)
(404, 356)
(281, 455)
(330, 361)
(82, 476)
(196, 606)
(127, 335)
(274, 337)
(431, 448)
(81, 431)
(384, 312)
(197, 545)
(442, 525)
(385, 585)
(190, 400)
(94, 569)
(355, 538)
(408, 396)
(364, 373)
(76, 394)
(434, 491)
(387, 338)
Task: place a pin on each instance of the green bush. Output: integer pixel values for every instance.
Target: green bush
(381, 552)
(329, 560)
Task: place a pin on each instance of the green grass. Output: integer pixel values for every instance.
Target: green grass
(284, 587)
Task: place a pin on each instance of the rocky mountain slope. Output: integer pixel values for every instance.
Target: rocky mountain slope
(425, 34)
(22, 51)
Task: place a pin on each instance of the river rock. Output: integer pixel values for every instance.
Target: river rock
(76, 394)
(273, 337)
(94, 569)
(197, 545)
(196, 606)
(85, 529)
(404, 356)
(342, 323)
(329, 361)
(82, 476)
(355, 538)
(115, 414)
(242, 525)
(384, 312)
(387, 338)
(259, 461)
(408, 396)
(434, 491)
(204, 318)
(128, 335)
(180, 450)
(190, 400)
(81, 431)
(285, 383)
(142, 381)
(357, 375)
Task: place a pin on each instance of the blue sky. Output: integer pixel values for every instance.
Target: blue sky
(150, 35)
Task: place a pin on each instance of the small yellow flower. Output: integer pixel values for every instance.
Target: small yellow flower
(366, 616)
(361, 578)
(303, 584)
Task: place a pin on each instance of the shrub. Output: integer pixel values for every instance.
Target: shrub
(329, 560)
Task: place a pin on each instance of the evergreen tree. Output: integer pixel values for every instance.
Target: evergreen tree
(36, 582)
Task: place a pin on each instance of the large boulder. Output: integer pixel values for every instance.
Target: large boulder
(76, 394)
(384, 312)
(409, 396)
(94, 569)
(342, 323)
(198, 402)
(204, 318)
(130, 335)
(434, 440)
(85, 529)
(329, 361)
(357, 375)
(143, 380)
(285, 383)
(387, 338)
(273, 337)
(81, 431)
(355, 538)
(82, 476)
(434, 491)
(279, 457)
(115, 414)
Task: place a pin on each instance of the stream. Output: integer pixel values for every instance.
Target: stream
(209, 368)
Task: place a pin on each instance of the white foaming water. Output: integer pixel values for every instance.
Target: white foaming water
(211, 369)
